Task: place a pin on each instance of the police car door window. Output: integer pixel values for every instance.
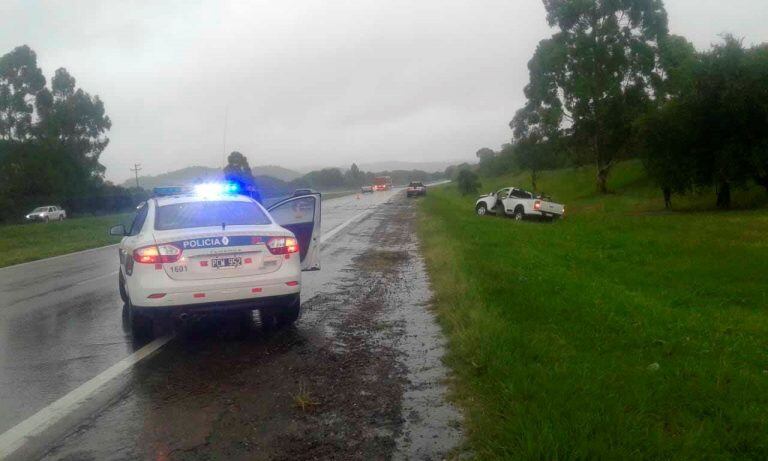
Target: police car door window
(298, 211)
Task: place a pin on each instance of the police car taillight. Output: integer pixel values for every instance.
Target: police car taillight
(155, 254)
(282, 245)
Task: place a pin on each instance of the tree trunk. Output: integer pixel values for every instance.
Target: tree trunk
(602, 178)
(667, 197)
(533, 180)
(724, 195)
(762, 181)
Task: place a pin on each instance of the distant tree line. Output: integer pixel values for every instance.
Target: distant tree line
(51, 138)
(611, 83)
(326, 179)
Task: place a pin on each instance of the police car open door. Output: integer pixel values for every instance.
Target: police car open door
(301, 215)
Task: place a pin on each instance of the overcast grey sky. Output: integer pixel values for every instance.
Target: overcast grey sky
(310, 83)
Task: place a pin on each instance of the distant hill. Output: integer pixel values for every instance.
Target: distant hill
(429, 167)
(194, 174)
(184, 176)
(283, 174)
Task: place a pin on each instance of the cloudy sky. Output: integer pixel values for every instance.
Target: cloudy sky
(310, 83)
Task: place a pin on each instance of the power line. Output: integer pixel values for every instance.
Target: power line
(136, 168)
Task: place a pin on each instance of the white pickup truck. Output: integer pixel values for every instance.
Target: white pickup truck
(46, 213)
(519, 204)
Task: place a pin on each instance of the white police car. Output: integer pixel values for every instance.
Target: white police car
(212, 250)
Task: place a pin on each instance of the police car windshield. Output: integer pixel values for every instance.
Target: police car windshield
(209, 214)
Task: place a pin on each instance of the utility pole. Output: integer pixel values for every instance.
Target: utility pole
(136, 168)
(224, 135)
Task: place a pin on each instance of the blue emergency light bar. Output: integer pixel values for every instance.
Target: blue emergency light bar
(171, 190)
(209, 189)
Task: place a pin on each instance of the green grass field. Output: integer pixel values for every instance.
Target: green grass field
(26, 242)
(620, 332)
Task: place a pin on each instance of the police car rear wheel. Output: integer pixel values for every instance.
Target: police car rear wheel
(142, 326)
(281, 317)
(289, 314)
(121, 288)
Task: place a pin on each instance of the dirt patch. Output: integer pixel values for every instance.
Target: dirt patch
(378, 260)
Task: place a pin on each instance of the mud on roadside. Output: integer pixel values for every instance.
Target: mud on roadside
(386, 392)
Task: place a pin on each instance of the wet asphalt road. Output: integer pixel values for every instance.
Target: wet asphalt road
(358, 377)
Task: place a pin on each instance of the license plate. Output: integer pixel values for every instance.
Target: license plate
(229, 262)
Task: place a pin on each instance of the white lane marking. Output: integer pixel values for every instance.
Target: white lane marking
(17, 436)
(351, 220)
(57, 257)
(111, 274)
(341, 226)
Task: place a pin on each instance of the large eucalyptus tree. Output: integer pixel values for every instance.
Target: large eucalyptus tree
(594, 76)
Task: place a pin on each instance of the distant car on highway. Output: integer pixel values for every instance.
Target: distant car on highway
(416, 189)
(214, 251)
(518, 203)
(366, 189)
(46, 213)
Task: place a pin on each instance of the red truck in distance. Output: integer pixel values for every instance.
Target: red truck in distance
(382, 183)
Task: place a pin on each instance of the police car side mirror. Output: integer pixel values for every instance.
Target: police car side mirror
(118, 231)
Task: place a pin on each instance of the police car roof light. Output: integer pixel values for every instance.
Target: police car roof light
(213, 189)
(170, 190)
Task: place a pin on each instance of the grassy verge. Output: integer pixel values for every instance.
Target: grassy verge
(619, 332)
(26, 242)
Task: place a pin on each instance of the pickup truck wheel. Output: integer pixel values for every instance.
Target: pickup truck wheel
(61, 218)
(481, 209)
(519, 214)
(46, 219)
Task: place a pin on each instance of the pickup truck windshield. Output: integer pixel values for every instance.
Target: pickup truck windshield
(209, 214)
